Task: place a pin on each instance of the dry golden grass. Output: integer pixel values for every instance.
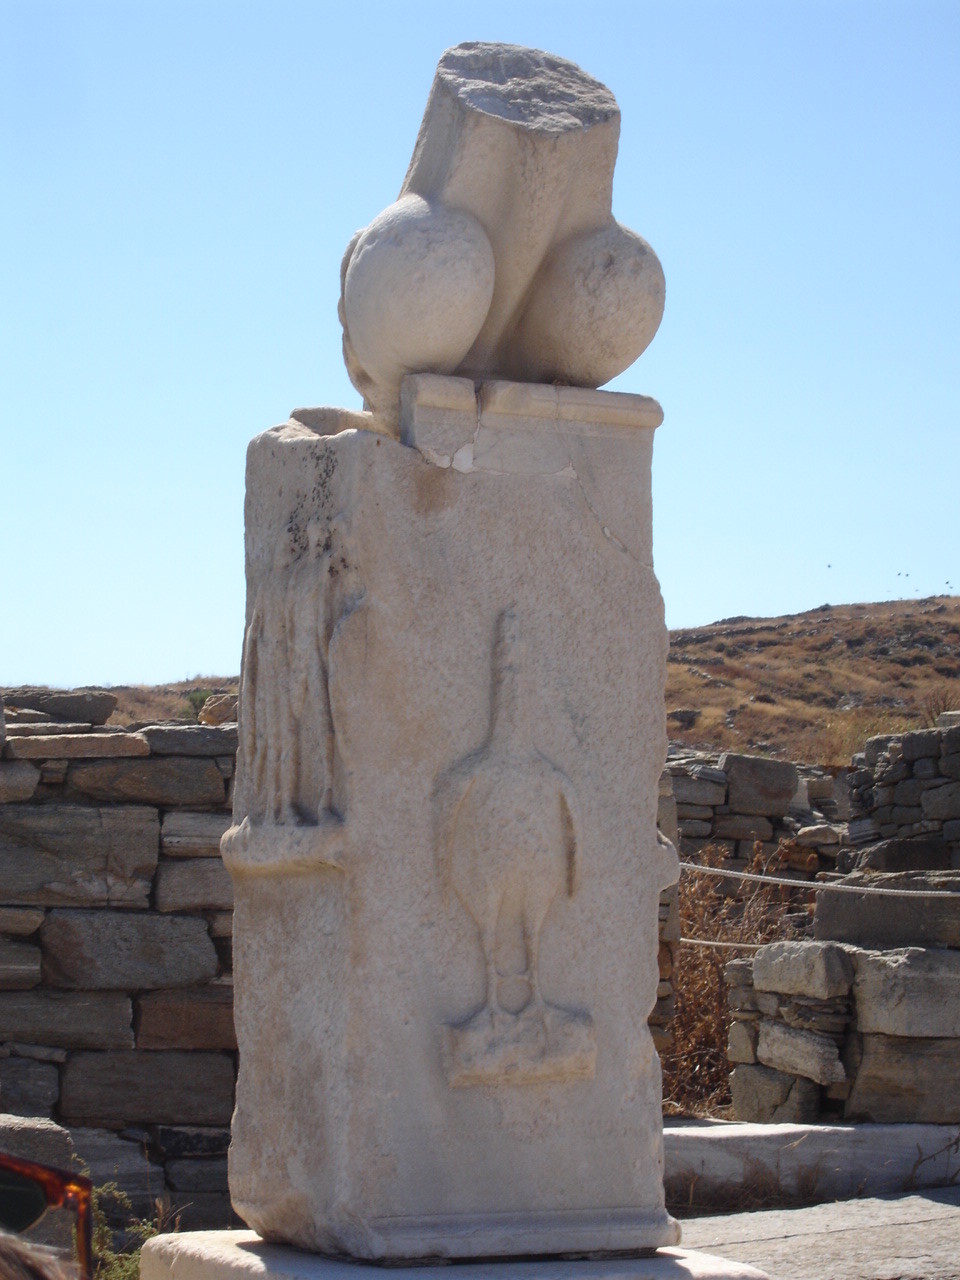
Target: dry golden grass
(814, 686)
(811, 686)
(142, 704)
(696, 1073)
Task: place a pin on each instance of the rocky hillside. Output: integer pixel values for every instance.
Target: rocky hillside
(809, 686)
(813, 686)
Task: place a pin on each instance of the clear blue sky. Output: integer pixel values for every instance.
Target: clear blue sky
(179, 181)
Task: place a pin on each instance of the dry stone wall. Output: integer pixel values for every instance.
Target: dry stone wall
(863, 1020)
(825, 1030)
(907, 787)
(116, 997)
(742, 805)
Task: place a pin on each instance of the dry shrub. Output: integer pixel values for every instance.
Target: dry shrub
(838, 737)
(695, 1068)
(942, 697)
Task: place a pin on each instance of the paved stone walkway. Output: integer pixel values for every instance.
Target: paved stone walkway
(915, 1237)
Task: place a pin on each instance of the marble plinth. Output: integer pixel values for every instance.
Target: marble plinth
(445, 855)
(242, 1255)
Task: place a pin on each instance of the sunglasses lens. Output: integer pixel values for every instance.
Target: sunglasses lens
(22, 1201)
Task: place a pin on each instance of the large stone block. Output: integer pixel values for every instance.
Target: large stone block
(193, 884)
(48, 728)
(818, 969)
(698, 791)
(109, 1158)
(19, 965)
(187, 1018)
(197, 1174)
(219, 708)
(758, 785)
(902, 1080)
(908, 992)
(111, 1090)
(168, 781)
(884, 923)
(743, 826)
(199, 1250)
(20, 922)
(904, 855)
(97, 950)
(82, 1020)
(28, 1087)
(819, 835)
(74, 855)
(762, 1095)
(43, 1142)
(942, 803)
(921, 744)
(77, 746)
(18, 780)
(799, 1053)
(93, 706)
(446, 862)
(191, 739)
(193, 835)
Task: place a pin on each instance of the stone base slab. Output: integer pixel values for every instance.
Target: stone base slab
(716, 1162)
(242, 1255)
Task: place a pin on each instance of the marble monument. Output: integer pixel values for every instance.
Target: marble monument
(444, 848)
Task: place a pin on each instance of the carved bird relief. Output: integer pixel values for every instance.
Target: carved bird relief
(508, 833)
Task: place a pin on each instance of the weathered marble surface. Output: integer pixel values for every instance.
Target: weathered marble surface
(240, 1255)
(445, 856)
(501, 257)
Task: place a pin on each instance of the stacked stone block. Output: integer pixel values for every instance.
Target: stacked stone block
(737, 804)
(664, 1011)
(907, 786)
(116, 999)
(822, 1030)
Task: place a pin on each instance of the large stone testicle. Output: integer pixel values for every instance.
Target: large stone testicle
(416, 290)
(597, 303)
(502, 257)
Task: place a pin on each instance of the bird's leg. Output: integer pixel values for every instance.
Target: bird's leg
(532, 931)
(489, 940)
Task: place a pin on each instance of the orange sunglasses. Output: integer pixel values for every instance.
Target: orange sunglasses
(28, 1190)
